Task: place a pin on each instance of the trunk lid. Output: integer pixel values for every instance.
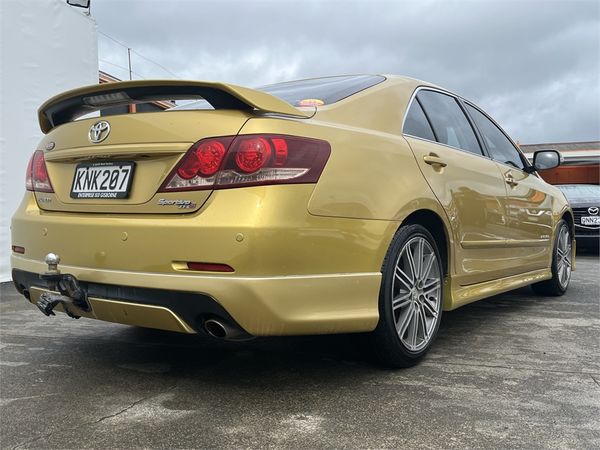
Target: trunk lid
(153, 142)
(146, 145)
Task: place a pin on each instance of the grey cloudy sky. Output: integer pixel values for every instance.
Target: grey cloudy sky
(533, 65)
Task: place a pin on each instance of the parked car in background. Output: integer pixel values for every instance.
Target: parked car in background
(361, 203)
(585, 201)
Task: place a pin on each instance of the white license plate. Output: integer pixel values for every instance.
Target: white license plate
(102, 180)
(590, 220)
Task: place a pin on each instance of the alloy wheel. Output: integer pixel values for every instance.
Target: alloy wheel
(416, 293)
(563, 257)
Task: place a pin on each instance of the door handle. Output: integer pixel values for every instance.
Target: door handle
(434, 160)
(510, 180)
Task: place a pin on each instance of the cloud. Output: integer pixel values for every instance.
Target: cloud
(533, 65)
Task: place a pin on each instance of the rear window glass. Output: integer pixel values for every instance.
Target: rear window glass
(449, 123)
(316, 91)
(416, 124)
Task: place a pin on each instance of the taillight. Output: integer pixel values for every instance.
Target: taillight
(248, 160)
(37, 178)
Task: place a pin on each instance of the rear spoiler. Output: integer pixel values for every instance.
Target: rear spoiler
(69, 105)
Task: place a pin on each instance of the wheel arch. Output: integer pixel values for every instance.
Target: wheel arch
(436, 226)
(567, 216)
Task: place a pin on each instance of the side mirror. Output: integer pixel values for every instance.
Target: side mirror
(546, 159)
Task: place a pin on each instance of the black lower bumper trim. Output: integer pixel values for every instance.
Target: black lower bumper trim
(192, 307)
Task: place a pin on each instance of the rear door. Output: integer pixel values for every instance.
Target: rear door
(468, 185)
(528, 200)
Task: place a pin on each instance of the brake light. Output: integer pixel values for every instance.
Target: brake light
(248, 160)
(37, 178)
(252, 154)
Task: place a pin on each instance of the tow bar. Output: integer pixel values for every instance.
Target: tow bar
(71, 293)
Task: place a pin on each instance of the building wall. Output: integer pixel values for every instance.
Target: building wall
(46, 47)
(576, 174)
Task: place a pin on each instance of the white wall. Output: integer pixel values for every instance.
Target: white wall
(46, 47)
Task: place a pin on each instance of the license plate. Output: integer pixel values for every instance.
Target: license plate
(590, 220)
(102, 180)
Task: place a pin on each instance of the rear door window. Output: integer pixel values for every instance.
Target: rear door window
(449, 122)
(416, 123)
(498, 145)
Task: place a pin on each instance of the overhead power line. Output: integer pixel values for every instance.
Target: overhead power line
(121, 67)
(139, 54)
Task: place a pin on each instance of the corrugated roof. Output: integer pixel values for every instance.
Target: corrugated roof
(562, 146)
(573, 153)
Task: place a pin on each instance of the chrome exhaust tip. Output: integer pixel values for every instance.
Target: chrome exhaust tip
(222, 330)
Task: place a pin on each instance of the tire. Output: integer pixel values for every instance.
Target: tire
(561, 264)
(410, 310)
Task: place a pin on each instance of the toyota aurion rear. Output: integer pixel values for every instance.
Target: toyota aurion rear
(334, 205)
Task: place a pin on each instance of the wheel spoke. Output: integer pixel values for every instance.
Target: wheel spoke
(404, 320)
(429, 308)
(415, 327)
(424, 322)
(412, 264)
(404, 278)
(418, 258)
(427, 267)
(401, 300)
(431, 286)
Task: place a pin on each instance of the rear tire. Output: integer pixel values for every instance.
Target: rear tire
(410, 298)
(561, 264)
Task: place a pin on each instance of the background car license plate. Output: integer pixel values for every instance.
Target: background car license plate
(102, 180)
(590, 220)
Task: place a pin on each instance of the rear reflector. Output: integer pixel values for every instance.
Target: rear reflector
(209, 267)
(37, 178)
(248, 160)
(18, 249)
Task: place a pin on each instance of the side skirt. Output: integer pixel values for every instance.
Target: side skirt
(457, 296)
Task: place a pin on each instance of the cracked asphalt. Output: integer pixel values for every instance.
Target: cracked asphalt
(515, 370)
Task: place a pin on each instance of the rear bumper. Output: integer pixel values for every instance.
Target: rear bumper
(294, 273)
(261, 306)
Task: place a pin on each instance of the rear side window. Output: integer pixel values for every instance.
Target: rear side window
(498, 145)
(416, 124)
(449, 122)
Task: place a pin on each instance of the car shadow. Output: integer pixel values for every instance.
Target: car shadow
(159, 354)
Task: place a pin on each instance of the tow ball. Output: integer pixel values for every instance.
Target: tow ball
(71, 292)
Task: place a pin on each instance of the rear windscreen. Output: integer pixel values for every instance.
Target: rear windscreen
(313, 92)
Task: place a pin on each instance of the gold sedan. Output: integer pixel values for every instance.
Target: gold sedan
(361, 203)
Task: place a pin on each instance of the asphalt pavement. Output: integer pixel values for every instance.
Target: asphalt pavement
(513, 371)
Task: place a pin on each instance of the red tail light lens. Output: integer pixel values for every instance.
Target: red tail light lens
(248, 160)
(37, 178)
(252, 154)
(204, 160)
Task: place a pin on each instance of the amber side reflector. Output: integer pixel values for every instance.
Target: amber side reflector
(209, 267)
(18, 249)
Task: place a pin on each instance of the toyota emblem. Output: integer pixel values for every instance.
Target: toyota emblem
(99, 131)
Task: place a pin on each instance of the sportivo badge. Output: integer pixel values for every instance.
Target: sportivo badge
(182, 204)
